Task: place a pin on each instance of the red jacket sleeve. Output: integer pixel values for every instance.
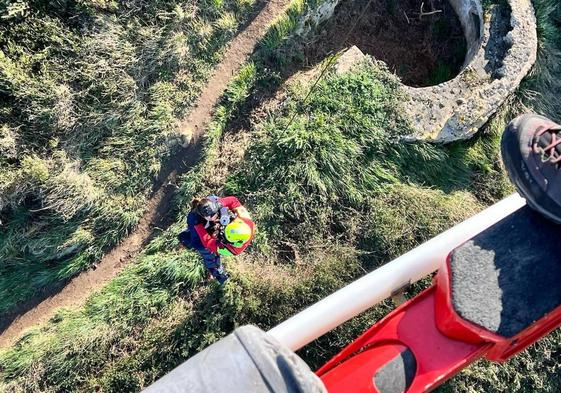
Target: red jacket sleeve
(230, 202)
(209, 242)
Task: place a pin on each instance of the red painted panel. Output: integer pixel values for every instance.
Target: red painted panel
(442, 342)
(454, 326)
(356, 374)
(413, 326)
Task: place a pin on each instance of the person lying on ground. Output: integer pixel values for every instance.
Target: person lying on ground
(217, 226)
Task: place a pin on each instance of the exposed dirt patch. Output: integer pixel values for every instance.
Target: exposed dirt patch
(422, 41)
(77, 290)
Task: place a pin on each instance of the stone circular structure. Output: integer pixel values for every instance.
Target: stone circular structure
(501, 49)
(456, 109)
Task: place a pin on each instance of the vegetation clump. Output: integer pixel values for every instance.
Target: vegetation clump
(91, 94)
(160, 310)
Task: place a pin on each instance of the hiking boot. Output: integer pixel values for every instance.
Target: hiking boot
(223, 278)
(531, 150)
(219, 274)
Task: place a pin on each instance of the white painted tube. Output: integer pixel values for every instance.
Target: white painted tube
(378, 285)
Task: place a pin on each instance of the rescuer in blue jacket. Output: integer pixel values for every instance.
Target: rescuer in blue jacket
(217, 226)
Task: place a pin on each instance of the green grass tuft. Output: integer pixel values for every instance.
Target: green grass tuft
(91, 94)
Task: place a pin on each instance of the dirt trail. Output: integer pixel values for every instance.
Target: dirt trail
(77, 290)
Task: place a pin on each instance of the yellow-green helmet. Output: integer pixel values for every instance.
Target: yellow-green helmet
(237, 232)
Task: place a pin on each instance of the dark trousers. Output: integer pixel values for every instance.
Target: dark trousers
(211, 261)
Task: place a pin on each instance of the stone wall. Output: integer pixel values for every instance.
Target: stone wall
(314, 17)
(456, 109)
(502, 48)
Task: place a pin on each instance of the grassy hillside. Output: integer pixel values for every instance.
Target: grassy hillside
(332, 192)
(161, 310)
(91, 93)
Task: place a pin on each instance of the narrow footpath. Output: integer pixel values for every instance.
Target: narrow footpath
(77, 290)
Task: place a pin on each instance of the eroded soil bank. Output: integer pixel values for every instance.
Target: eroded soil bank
(421, 41)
